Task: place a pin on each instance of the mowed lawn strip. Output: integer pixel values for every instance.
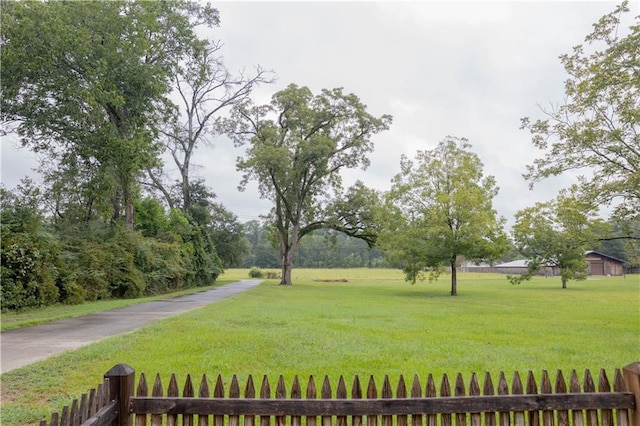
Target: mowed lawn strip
(28, 317)
(374, 324)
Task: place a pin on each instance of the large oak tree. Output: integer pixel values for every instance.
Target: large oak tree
(296, 147)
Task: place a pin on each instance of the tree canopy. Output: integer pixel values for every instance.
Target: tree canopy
(596, 129)
(439, 208)
(296, 147)
(87, 83)
(557, 234)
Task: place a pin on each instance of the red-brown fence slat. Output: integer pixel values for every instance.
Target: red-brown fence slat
(356, 393)
(604, 386)
(341, 393)
(459, 390)
(430, 392)
(474, 390)
(203, 392)
(234, 392)
(416, 392)
(265, 393)
(325, 393)
(445, 390)
(516, 389)
(504, 418)
(548, 417)
(84, 408)
(55, 420)
(386, 394)
(172, 391)
(218, 392)
(188, 392)
(577, 416)
(157, 390)
(311, 394)
(401, 392)
(619, 386)
(296, 393)
(142, 390)
(92, 402)
(561, 388)
(249, 393)
(631, 376)
(64, 418)
(590, 387)
(488, 389)
(533, 417)
(281, 393)
(372, 393)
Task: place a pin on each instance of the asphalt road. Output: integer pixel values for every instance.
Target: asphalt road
(24, 346)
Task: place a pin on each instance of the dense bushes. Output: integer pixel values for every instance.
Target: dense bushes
(70, 261)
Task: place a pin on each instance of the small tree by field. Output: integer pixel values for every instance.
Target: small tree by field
(440, 208)
(296, 147)
(557, 234)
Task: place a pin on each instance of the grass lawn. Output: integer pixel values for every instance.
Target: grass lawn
(373, 324)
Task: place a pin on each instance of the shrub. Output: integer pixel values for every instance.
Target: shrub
(256, 272)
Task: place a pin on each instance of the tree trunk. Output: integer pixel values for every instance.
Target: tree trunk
(286, 269)
(564, 282)
(454, 278)
(287, 251)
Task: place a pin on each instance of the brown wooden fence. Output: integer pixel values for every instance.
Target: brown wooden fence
(524, 402)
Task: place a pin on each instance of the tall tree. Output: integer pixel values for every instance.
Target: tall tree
(297, 146)
(597, 128)
(446, 210)
(557, 234)
(205, 88)
(87, 81)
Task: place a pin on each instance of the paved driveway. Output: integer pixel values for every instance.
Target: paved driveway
(23, 346)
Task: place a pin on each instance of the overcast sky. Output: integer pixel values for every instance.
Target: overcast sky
(466, 69)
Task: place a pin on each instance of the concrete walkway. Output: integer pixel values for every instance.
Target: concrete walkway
(24, 346)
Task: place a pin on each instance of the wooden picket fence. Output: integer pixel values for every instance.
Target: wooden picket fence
(564, 403)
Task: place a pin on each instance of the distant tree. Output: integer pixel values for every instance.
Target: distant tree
(263, 251)
(597, 128)
(443, 206)
(297, 146)
(227, 234)
(557, 234)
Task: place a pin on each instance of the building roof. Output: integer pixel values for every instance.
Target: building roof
(597, 253)
(520, 263)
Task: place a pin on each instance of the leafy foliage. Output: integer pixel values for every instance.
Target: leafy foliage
(557, 234)
(88, 82)
(440, 208)
(297, 146)
(596, 129)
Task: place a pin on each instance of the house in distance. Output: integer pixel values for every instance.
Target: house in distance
(598, 264)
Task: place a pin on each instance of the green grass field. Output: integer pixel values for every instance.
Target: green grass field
(373, 324)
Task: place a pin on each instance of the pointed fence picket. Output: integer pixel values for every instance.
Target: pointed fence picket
(572, 403)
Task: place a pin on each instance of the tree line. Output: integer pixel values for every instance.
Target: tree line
(102, 90)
